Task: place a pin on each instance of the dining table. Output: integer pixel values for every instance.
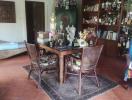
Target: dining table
(61, 52)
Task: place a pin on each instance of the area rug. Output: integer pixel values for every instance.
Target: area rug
(68, 90)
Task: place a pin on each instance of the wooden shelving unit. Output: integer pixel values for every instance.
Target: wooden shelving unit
(126, 27)
(90, 14)
(107, 16)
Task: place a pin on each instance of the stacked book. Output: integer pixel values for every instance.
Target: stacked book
(42, 37)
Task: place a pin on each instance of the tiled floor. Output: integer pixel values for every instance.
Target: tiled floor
(15, 86)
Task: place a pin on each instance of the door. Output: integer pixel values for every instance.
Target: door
(35, 19)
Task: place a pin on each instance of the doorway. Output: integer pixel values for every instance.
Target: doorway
(35, 19)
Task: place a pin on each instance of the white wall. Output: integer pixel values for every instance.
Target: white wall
(16, 32)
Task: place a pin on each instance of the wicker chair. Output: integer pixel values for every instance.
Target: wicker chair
(92, 41)
(86, 64)
(40, 63)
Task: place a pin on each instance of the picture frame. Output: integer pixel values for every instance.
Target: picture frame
(7, 12)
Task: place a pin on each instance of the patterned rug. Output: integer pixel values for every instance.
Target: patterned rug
(68, 90)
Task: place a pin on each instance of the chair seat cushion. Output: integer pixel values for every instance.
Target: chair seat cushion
(44, 64)
(77, 55)
(48, 60)
(74, 67)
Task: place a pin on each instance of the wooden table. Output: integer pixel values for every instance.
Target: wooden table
(61, 54)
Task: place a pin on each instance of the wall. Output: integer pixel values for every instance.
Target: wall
(16, 32)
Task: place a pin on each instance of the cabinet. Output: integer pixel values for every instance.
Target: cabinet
(125, 34)
(105, 17)
(90, 14)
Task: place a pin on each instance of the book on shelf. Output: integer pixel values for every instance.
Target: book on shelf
(114, 36)
(104, 34)
(110, 35)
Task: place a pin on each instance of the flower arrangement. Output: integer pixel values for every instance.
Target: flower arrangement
(83, 35)
(82, 40)
(86, 36)
(87, 33)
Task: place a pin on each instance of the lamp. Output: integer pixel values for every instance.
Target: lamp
(52, 23)
(52, 26)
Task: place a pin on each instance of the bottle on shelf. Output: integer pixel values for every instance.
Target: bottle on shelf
(51, 42)
(75, 43)
(127, 43)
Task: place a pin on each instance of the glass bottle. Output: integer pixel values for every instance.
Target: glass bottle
(75, 43)
(127, 43)
(51, 42)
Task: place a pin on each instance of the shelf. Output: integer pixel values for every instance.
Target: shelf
(109, 27)
(105, 14)
(114, 41)
(102, 11)
(102, 1)
(90, 13)
(85, 25)
(126, 25)
(86, 2)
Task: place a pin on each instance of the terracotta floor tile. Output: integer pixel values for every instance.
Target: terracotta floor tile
(14, 84)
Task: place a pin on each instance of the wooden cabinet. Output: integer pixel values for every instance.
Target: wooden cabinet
(90, 14)
(125, 35)
(105, 16)
(110, 47)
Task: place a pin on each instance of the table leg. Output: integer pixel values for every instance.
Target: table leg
(61, 72)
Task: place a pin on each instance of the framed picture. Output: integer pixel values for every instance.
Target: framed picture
(7, 12)
(65, 17)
